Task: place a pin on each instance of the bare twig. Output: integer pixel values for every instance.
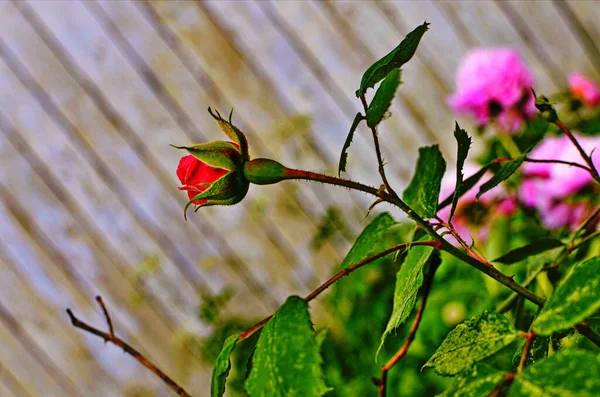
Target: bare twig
(570, 163)
(528, 341)
(501, 386)
(344, 272)
(582, 152)
(110, 337)
(585, 330)
(111, 330)
(381, 383)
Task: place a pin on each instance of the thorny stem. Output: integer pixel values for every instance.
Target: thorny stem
(341, 274)
(570, 163)
(528, 341)
(508, 379)
(110, 337)
(363, 99)
(462, 242)
(585, 156)
(382, 382)
(446, 246)
(585, 330)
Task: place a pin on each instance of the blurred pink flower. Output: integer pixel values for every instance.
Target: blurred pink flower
(549, 187)
(472, 215)
(585, 89)
(494, 83)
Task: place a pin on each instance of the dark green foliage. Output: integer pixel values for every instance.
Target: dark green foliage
(576, 298)
(472, 341)
(466, 185)
(222, 367)
(524, 252)
(287, 361)
(408, 281)
(568, 373)
(478, 380)
(463, 141)
(364, 244)
(394, 60)
(506, 170)
(383, 98)
(344, 156)
(423, 192)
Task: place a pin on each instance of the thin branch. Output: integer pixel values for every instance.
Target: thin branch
(529, 337)
(111, 330)
(585, 330)
(582, 152)
(110, 337)
(427, 227)
(382, 382)
(389, 188)
(342, 273)
(508, 379)
(570, 163)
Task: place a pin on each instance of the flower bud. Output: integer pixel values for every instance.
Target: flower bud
(213, 172)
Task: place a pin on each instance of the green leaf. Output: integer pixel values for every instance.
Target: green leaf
(383, 98)
(475, 339)
(506, 170)
(568, 373)
(464, 143)
(344, 156)
(476, 381)
(287, 361)
(576, 298)
(537, 247)
(222, 367)
(423, 192)
(408, 281)
(467, 184)
(373, 233)
(394, 60)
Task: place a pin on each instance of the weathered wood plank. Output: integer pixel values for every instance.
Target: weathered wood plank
(582, 18)
(97, 147)
(83, 266)
(248, 29)
(482, 23)
(549, 34)
(421, 89)
(22, 372)
(153, 48)
(48, 326)
(309, 33)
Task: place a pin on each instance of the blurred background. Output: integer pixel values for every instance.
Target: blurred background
(91, 95)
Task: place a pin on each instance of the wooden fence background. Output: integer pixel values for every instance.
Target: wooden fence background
(92, 93)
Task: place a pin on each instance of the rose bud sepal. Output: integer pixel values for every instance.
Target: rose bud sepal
(229, 189)
(232, 132)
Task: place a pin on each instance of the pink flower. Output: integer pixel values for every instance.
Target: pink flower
(494, 83)
(550, 187)
(473, 215)
(584, 89)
